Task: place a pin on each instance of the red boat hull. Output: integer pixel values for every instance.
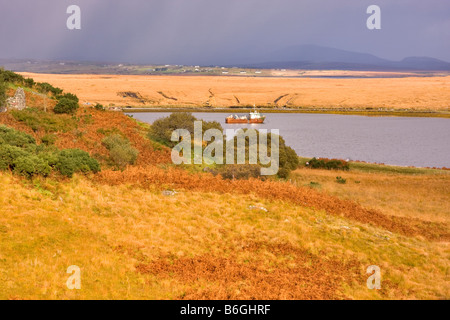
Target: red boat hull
(260, 120)
(232, 120)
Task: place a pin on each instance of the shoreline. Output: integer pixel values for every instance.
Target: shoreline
(339, 111)
(363, 165)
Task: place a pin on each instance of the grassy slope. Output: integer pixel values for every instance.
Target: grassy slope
(138, 243)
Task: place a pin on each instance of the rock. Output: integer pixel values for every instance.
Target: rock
(18, 102)
(169, 193)
(259, 208)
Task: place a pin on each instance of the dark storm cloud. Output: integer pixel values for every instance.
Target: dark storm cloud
(218, 31)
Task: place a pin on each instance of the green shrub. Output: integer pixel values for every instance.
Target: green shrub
(12, 77)
(71, 161)
(240, 171)
(29, 166)
(51, 156)
(29, 82)
(45, 87)
(328, 164)
(65, 105)
(69, 96)
(161, 130)
(288, 159)
(120, 151)
(99, 107)
(283, 173)
(14, 137)
(341, 180)
(9, 154)
(20, 153)
(122, 156)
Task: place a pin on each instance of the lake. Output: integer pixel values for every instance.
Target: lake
(403, 141)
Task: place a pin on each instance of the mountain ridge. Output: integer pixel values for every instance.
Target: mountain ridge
(327, 58)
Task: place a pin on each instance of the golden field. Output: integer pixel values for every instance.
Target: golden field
(413, 93)
(136, 243)
(423, 195)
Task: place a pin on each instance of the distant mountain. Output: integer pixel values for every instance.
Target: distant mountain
(325, 58)
(309, 57)
(424, 63)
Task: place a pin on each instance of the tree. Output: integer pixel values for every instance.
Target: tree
(161, 130)
(121, 152)
(66, 106)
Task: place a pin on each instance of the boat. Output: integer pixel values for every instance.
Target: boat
(253, 117)
(256, 117)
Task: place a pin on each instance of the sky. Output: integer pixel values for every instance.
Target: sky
(214, 32)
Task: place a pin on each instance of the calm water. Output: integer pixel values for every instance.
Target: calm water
(421, 142)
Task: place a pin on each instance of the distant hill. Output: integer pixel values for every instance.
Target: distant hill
(309, 57)
(325, 58)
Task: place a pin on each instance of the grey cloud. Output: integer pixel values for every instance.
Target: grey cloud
(218, 31)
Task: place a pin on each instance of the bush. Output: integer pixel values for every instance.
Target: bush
(15, 138)
(328, 164)
(9, 76)
(240, 171)
(120, 151)
(288, 159)
(161, 130)
(341, 180)
(45, 87)
(20, 153)
(283, 173)
(68, 96)
(9, 154)
(71, 161)
(29, 166)
(99, 107)
(29, 82)
(50, 156)
(65, 105)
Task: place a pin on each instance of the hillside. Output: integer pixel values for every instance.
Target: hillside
(151, 230)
